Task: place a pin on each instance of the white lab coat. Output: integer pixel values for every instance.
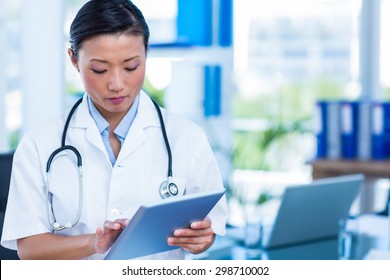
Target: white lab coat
(110, 192)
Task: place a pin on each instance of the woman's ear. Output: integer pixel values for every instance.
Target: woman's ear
(73, 59)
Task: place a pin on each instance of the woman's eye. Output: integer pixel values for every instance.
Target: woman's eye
(131, 68)
(98, 71)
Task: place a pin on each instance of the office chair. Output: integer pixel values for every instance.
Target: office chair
(5, 176)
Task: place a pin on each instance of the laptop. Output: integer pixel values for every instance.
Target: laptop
(312, 211)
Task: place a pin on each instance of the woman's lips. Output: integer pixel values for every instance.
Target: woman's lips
(116, 100)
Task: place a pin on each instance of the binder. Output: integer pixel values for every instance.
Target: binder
(195, 22)
(352, 129)
(225, 25)
(364, 130)
(349, 129)
(377, 131)
(320, 128)
(333, 130)
(212, 90)
(386, 128)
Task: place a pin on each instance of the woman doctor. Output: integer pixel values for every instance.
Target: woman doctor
(116, 130)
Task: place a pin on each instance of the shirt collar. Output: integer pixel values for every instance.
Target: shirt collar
(125, 124)
(123, 128)
(101, 123)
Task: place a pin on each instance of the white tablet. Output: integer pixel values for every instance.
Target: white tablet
(148, 230)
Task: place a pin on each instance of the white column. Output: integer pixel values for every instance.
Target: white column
(369, 49)
(42, 58)
(369, 79)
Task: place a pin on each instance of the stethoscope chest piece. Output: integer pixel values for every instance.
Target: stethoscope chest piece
(168, 189)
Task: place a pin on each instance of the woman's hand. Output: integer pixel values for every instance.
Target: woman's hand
(195, 239)
(104, 238)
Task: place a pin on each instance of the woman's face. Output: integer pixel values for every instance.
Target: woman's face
(112, 70)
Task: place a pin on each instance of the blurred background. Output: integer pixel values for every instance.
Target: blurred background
(250, 72)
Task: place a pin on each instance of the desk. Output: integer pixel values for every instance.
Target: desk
(373, 232)
(227, 249)
(321, 250)
(373, 170)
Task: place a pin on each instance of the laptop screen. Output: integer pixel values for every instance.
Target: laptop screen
(312, 211)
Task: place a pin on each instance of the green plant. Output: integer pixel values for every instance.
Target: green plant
(247, 154)
(386, 93)
(14, 139)
(279, 129)
(156, 94)
(264, 197)
(251, 147)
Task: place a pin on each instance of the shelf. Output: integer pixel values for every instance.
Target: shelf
(328, 168)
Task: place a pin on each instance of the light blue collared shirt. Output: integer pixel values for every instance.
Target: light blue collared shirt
(120, 131)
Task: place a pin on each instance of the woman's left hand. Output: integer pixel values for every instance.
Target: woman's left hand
(195, 239)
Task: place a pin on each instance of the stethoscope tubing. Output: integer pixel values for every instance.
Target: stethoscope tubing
(163, 192)
(164, 133)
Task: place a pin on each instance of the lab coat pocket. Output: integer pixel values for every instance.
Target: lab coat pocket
(157, 188)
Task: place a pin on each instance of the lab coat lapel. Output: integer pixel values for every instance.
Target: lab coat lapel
(83, 119)
(137, 135)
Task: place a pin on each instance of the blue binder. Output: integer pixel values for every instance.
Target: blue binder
(321, 128)
(349, 114)
(225, 26)
(205, 22)
(212, 90)
(386, 128)
(364, 130)
(195, 22)
(377, 131)
(333, 130)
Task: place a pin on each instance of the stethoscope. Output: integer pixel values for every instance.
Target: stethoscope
(167, 188)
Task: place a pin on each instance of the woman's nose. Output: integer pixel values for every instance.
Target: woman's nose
(116, 82)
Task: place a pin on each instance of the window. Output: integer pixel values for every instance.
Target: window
(10, 68)
(287, 55)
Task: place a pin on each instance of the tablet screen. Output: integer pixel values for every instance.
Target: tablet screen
(148, 230)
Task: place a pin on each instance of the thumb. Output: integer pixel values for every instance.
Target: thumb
(99, 233)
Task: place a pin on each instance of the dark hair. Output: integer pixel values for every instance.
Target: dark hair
(98, 17)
